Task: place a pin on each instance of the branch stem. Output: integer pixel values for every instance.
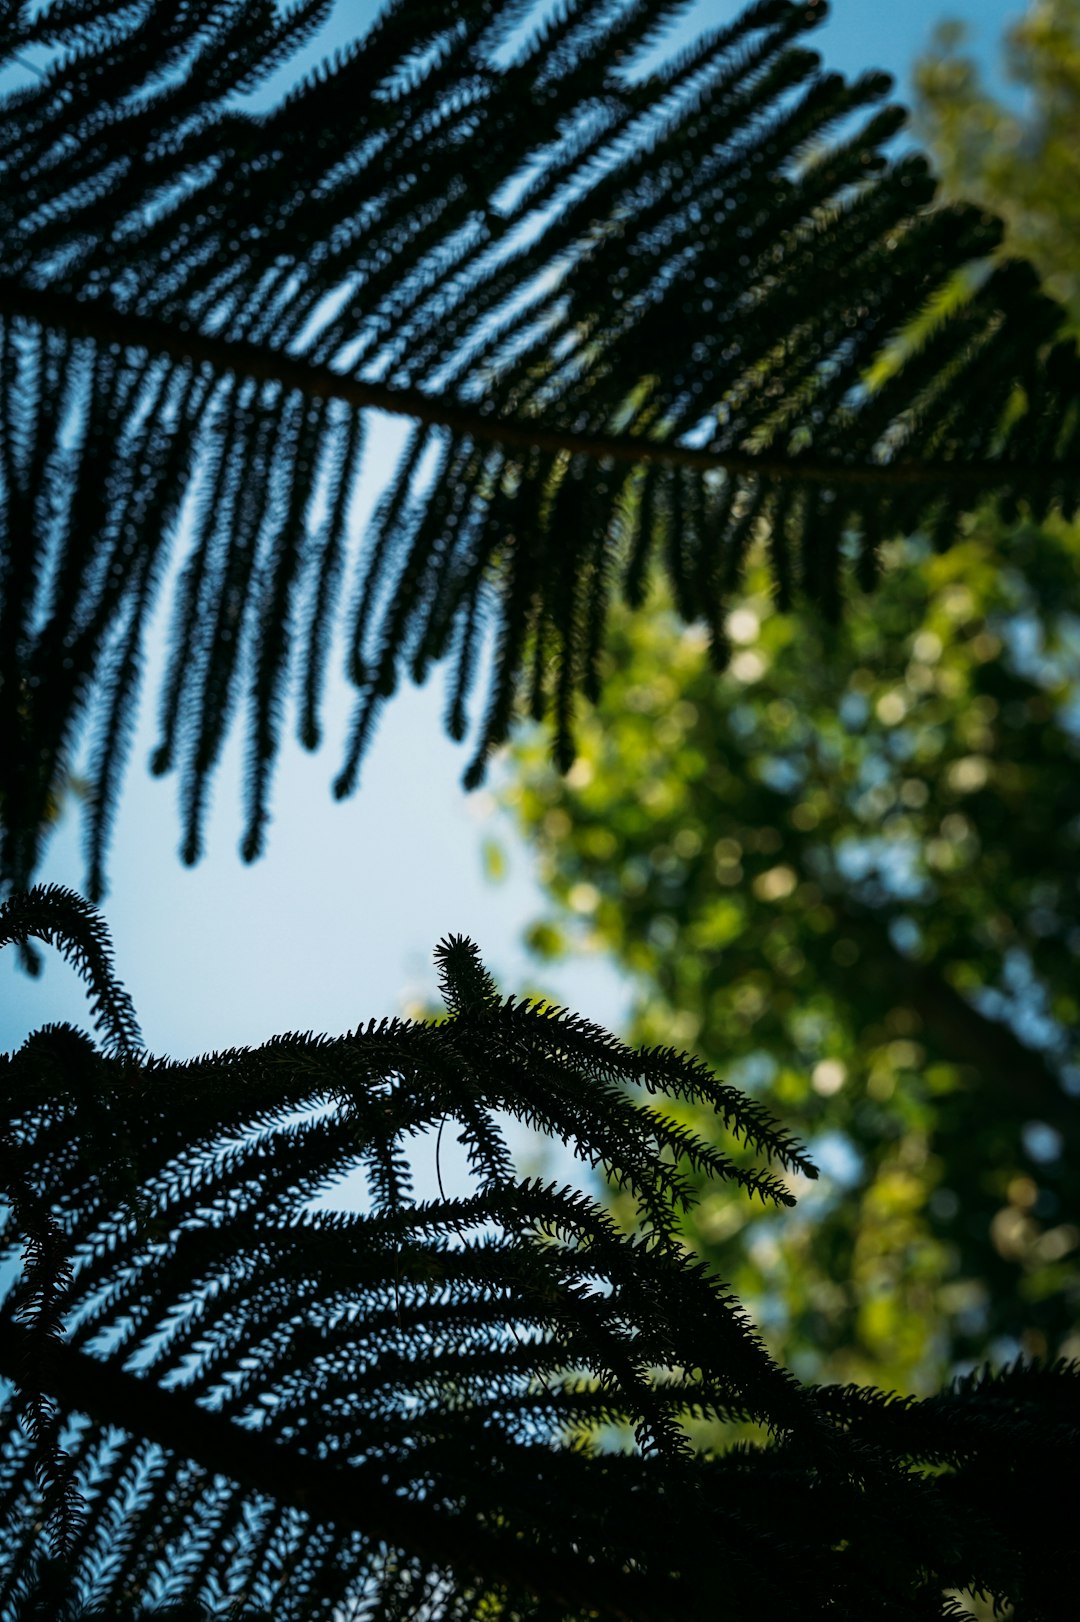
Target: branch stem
(96, 319)
(353, 1496)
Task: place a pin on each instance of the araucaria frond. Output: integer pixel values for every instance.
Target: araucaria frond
(279, 1383)
(628, 312)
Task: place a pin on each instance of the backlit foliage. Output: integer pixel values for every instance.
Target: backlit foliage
(630, 313)
(254, 1375)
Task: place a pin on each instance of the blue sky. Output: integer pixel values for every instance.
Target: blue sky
(337, 922)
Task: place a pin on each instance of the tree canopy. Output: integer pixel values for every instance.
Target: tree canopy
(1021, 160)
(846, 873)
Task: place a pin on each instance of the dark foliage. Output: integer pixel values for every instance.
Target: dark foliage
(628, 313)
(244, 1402)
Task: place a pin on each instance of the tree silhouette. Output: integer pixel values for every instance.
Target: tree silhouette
(232, 1401)
(627, 312)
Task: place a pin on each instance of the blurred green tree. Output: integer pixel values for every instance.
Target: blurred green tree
(1022, 158)
(845, 873)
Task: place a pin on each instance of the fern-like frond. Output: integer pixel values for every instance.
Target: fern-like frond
(60, 918)
(631, 314)
(253, 1374)
(224, 1360)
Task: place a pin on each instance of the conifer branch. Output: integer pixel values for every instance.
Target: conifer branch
(63, 919)
(104, 324)
(312, 1407)
(626, 316)
(351, 1495)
